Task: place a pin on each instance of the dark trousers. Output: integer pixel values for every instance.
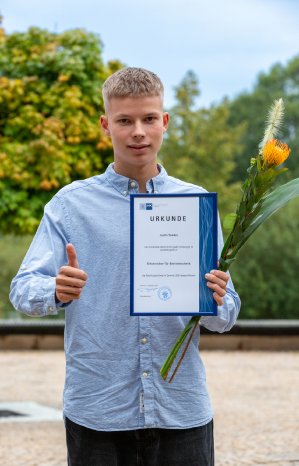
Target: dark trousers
(144, 447)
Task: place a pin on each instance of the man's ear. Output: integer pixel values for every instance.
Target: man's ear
(104, 124)
(165, 121)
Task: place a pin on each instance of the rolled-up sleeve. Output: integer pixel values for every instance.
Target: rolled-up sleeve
(227, 313)
(33, 288)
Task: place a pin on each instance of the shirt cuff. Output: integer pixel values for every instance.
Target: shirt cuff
(226, 314)
(51, 305)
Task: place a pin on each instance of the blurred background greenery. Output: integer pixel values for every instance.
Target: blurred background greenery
(50, 101)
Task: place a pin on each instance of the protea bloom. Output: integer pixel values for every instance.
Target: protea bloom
(275, 152)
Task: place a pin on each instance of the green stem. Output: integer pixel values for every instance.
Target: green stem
(175, 349)
(183, 353)
(164, 371)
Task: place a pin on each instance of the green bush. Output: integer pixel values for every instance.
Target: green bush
(50, 99)
(12, 251)
(265, 273)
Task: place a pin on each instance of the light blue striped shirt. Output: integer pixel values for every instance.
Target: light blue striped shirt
(113, 359)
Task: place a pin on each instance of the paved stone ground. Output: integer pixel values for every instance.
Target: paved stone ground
(255, 397)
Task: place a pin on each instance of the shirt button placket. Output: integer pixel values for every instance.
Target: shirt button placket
(133, 186)
(146, 370)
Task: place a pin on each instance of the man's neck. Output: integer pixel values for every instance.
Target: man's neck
(139, 174)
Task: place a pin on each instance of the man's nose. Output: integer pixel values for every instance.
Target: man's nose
(138, 130)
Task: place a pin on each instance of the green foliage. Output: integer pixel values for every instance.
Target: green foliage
(265, 274)
(250, 109)
(50, 99)
(229, 222)
(12, 251)
(256, 206)
(200, 145)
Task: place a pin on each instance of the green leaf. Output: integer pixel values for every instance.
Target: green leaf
(272, 203)
(229, 221)
(224, 265)
(263, 210)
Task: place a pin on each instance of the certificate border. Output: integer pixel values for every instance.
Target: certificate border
(208, 222)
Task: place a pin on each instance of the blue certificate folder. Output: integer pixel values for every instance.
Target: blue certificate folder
(173, 244)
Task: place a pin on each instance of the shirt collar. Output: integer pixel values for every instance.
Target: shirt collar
(124, 184)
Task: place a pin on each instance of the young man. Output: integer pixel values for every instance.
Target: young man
(118, 410)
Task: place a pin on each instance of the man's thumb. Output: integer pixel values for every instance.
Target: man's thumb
(72, 256)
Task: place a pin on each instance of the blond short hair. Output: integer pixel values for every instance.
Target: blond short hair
(132, 82)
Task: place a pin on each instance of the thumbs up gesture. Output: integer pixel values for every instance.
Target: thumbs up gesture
(72, 256)
(71, 279)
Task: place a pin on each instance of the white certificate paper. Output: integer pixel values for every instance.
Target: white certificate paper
(166, 252)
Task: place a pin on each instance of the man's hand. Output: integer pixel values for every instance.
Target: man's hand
(217, 281)
(70, 280)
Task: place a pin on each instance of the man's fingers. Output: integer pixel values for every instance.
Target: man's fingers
(70, 279)
(217, 281)
(68, 286)
(218, 289)
(66, 293)
(218, 299)
(215, 274)
(221, 281)
(63, 279)
(219, 277)
(66, 297)
(72, 256)
(69, 271)
(68, 290)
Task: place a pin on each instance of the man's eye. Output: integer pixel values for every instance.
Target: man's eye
(124, 121)
(150, 119)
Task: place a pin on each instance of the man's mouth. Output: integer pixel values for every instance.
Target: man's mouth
(138, 146)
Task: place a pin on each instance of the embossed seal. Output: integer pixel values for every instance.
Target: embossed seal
(164, 293)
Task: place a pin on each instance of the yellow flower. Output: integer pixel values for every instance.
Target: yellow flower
(63, 78)
(275, 152)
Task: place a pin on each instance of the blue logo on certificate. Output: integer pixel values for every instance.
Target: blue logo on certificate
(164, 293)
(146, 206)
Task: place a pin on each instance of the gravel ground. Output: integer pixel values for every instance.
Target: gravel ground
(255, 397)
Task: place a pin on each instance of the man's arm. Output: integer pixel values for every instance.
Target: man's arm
(33, 290)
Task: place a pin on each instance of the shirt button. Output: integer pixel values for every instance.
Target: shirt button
(144, 340)
(50, 308)
(156, 192)
(133, 184)
(125, 193)
(145, 374)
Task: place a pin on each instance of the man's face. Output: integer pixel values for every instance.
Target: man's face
(136, 126)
